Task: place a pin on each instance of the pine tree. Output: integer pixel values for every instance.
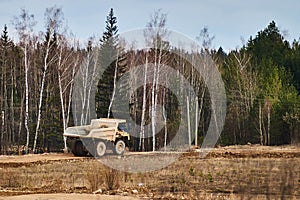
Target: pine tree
(6, 102)
(109, 62)
(111, 32)
(269, 44)
(5, 41)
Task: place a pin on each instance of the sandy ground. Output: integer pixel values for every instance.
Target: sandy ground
(67, 197)
(229, 151)
(36, 158)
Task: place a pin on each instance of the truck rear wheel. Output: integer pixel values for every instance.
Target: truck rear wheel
(79, 149)
(119, 147)
(100, 149)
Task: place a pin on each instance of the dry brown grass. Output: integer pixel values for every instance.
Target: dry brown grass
(188, 178)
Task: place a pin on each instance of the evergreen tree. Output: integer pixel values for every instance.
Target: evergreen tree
(111, 33)
(109, 63)
(7, 78)
(271, 58)
(5, 41)
(269, 44)
(295, 63)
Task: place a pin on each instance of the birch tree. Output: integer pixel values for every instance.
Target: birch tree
(155, 35)
(242, 85)
(53, 22)
(24, 26)
(67, 66)
(84, 89)
(144, 104)
(198, 56)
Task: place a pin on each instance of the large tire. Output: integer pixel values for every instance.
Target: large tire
(119, 147)
(100, 149)
(79, 149)
(89, 145)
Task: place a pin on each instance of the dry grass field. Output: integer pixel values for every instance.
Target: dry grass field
(235, 172)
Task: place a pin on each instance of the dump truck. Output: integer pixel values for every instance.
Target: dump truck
(96, 138)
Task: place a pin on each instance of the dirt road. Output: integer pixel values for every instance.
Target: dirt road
(67, 197)
(238, 151)
(27, 160)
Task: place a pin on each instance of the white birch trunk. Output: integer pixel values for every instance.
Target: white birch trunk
(90, 83)
(26, 99)
(268, 127)
(41, 95)
(62, 72)
(165, 120)
(70, 93)
(12, 109)
(196, 123)
(156, 96)
(84, 83)
(39, 111)
(62, 109)
(188, 119)
(85, 75)
(61, 97)
(260, 124)
(114, 89)
(142, 132)
(153, 112)
(20, 123)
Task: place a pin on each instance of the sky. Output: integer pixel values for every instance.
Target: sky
(230, 21)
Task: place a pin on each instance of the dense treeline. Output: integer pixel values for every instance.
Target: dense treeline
(262, 81)
(37, 73)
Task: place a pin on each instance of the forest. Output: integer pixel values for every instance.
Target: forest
(38, 73)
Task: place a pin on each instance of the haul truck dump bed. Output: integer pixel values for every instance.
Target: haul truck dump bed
(96, 138)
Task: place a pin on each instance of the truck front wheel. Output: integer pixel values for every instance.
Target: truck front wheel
(100, 149)
(119, 147)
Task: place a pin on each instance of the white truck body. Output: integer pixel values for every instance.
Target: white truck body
(104, 130)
